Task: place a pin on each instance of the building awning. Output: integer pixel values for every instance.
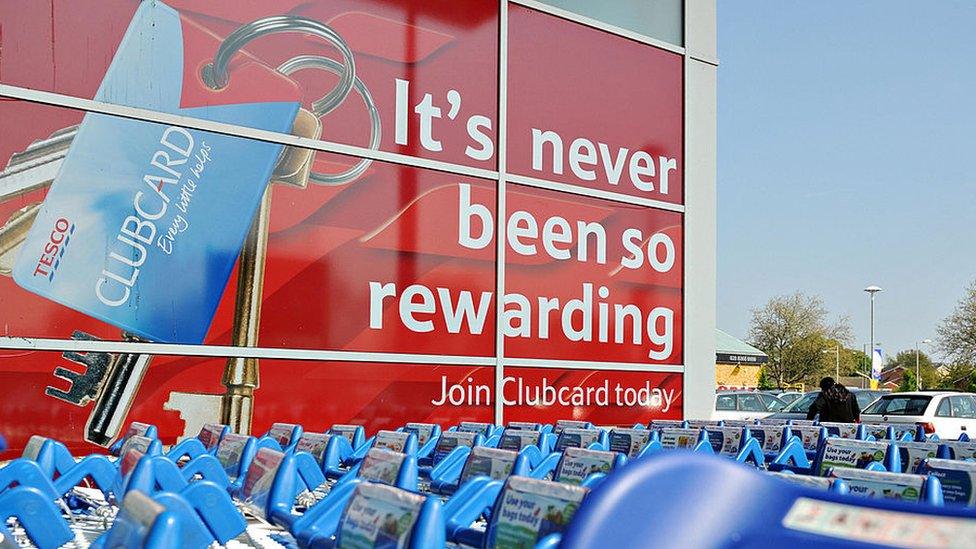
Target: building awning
(731, 350)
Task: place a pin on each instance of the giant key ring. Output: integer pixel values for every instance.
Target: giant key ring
(216, 76)
(333, 66)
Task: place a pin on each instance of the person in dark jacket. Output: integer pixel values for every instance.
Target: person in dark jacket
(835, 403)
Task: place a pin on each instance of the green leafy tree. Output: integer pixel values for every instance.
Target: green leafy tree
(794, 331)
(906, 361)
(908, 382)
(958, 376)
(957, 333)
(765, 382)
(853, 361)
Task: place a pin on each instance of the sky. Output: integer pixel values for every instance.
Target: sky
(846, 147)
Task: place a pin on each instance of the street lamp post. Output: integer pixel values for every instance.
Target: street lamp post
(918, 377)
(872, 290)
(836, 351)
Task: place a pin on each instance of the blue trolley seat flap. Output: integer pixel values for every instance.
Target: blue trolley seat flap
(958, 479)
(379, 516)
(516, 439)
(880, 484)
(840, 452)
(911, 454)
(449, 440)
(703, 423)
(770, 438)
(473, 427)
(143, 522)
(958, 449)
(629, 442)
(314, 444)
(524, 425)
(233, 454)
(259, 480)
(134, 521)
(381, 465)
(352, 433)
(578, 463)
(809, 436)
(842, 430)
(725, 440)
(574, 437)
(673, 438)
(563, 424)
(211, 433)
(424, 431)
(820, 483)
(657, 424)
(529, 510)
(285, 434)
(392, 440)
(491, 462)
(135, 429)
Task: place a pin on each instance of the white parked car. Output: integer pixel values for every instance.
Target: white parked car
(788, 397)
(945, 413)
(745, 405)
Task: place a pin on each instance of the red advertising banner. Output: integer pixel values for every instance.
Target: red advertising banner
(177, 389)
(592, 109)
(602, 397)
(590, 279)
(117, 228)
(365, 254)
(430, 67)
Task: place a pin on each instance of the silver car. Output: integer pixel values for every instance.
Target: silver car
(800, 407)
(744, 405)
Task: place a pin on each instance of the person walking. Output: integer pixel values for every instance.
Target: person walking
(835, 403)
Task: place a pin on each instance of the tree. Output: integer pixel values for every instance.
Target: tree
(957, 333)
(960, 377)
(860, 363)
(794, 332)
(765, 383)
(906, 361)
(908, 382)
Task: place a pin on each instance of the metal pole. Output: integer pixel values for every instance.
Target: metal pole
(871, 361)
(918, 380)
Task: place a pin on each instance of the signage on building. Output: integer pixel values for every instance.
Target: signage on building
(139, 235)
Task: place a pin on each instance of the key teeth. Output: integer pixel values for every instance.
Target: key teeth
(84, 387)
(66, 374)
(60, 395)
(95, 363)
(74, 357)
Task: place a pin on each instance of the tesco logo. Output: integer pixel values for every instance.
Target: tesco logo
(50, 258)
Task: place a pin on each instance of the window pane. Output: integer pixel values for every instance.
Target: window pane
(750, 403)
(945, 409)
(661, 19)
(865, 397)
(900, 406)
(725, 402)
(962, 407)
(803, 404)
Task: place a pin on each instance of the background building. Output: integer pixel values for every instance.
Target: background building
(737, 363)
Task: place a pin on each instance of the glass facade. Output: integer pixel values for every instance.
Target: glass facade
(369, 273)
